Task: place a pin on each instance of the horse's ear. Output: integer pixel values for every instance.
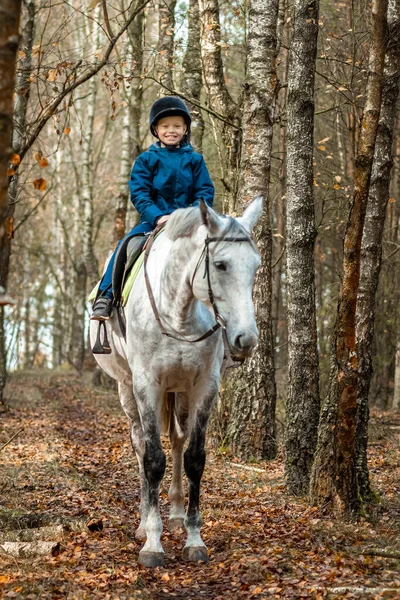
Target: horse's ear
(209, 218)
(252, 213)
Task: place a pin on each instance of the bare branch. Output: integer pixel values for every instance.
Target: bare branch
(78, 81)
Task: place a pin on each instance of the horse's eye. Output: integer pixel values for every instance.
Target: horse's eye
(220, 266)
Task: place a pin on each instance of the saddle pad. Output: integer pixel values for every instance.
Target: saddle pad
(129, 281)
(132, 278)
(138, 264)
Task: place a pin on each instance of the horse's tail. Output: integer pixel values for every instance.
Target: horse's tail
(167, 412)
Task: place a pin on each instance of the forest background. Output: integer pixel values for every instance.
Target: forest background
(282, 96)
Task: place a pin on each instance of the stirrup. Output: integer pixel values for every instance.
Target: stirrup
(98, 346)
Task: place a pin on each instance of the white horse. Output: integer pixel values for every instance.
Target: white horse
(200, 269)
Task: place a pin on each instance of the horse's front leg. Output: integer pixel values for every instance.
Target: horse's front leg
(194, 461)
(178, 436)
(152, 553)
(128, 403)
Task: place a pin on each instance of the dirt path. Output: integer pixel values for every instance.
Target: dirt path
(73, 462)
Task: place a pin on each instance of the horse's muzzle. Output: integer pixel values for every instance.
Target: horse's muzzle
(244, 344)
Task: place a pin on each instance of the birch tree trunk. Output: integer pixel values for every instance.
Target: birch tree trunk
(130, 137)
(86, 163)
(302, 408)
(192, 76)
(278, 320)
(9, 25)
(59, 277)
(371, 248)
(251, 431)
(165, 48)
(220, 98)
(334, 472)
(396, 391)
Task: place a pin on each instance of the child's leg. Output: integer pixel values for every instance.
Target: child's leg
(105, 288)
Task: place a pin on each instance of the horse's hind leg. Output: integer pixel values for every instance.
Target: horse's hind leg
(128, 403)
(177, 435)
(194, 461)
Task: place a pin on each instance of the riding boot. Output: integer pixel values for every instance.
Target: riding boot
(101, 309)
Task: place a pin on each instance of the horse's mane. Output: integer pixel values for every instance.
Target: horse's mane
(184, 222)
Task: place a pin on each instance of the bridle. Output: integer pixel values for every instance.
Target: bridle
(219, 320)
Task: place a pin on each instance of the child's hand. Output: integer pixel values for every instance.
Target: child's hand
(163, 219)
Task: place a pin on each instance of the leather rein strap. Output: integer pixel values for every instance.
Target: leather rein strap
(220, 322)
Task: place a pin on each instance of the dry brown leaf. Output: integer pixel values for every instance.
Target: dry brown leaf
(43, 162)
(67, 130)
(40, 184)
(15, 159)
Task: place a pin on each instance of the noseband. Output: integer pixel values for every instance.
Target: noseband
(219, 320)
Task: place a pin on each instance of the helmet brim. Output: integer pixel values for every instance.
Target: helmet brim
(171, 112)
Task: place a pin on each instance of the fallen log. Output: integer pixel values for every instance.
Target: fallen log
(361, 591)
(386, 552)
(29, 549)
(48, 533)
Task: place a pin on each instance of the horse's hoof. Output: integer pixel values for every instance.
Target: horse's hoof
(195, 554)
(151, 559)
(176, 523)
(140, 534)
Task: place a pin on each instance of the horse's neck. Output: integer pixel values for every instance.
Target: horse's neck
(177, 300)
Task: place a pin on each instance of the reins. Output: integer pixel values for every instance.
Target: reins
(219, 320)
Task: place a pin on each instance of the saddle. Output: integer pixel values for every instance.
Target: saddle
(127, 254)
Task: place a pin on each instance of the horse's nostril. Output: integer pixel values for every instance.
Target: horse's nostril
(238, 344)
(245, 342)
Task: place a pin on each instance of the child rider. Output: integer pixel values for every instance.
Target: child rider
(168, 176)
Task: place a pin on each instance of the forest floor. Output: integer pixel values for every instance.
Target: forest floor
(72, 464)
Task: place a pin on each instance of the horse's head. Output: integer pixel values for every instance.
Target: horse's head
(233, 260)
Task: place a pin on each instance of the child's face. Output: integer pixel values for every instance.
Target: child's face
(170, 130)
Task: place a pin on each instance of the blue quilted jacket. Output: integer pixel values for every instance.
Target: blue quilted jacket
(164, 179)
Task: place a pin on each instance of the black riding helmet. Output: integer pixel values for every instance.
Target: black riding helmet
(166, 107)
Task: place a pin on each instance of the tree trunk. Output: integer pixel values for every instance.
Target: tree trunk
(371, 248)
(130, 136)
(278, 317)
(9, 18)
(165, 48)
(192, 76)
(302, 408)
(9, 24)
(396, 391)
(334, 472)
(251, 431)
(220, 99)
(86, 166)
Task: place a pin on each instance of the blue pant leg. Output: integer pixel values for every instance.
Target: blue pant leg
(105, 287)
